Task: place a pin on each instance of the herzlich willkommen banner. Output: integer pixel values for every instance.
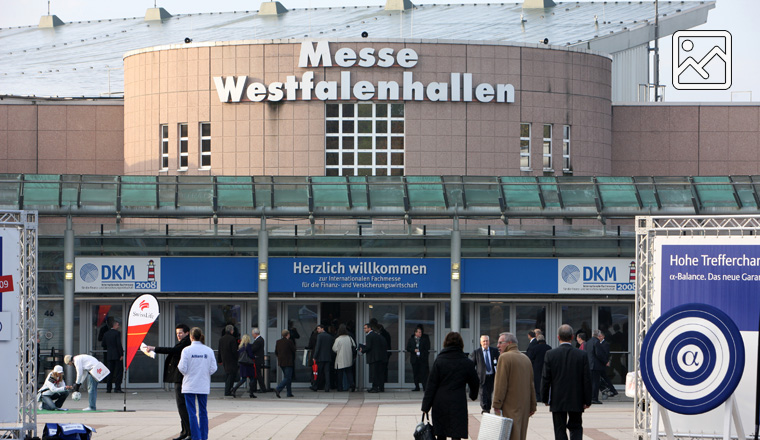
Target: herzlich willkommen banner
(143, 312)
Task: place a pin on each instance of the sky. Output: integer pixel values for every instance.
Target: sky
(739, 17)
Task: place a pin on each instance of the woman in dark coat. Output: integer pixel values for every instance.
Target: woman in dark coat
(446, 392)
(418, 347)
(247, 372)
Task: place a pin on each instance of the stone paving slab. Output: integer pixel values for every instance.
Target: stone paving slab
(151, 414)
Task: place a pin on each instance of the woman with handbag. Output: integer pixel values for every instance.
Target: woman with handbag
(245, 364)
(344, 348)
(446, 394)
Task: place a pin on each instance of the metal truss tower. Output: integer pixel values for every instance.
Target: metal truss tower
(26, 224)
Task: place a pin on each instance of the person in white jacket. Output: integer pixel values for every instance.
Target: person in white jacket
(54, 391)
(344, 348)
(197, 364)
(84, 363)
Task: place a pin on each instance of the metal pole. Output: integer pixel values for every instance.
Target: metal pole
(68, 294)
(456, 293)
(656, 51)
(264, 292)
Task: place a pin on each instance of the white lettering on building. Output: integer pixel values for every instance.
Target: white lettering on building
(460, 89)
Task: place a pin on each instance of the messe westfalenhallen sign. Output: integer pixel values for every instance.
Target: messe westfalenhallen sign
(9, 317)
(722, 272)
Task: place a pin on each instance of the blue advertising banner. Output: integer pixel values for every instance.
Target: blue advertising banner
(485, 275)
(726, 276)
(217, 274)
(398, 275)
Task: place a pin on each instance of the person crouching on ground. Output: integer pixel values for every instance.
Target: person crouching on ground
(197, 364)
(54, 391)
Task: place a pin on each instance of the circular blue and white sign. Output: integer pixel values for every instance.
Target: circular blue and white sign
(692, 358)
(571, 274)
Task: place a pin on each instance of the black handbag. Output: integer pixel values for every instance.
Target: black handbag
(424, 431)
(244, 359)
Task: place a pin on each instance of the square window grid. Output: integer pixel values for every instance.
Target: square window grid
(364, 139)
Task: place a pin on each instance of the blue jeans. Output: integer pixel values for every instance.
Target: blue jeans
(92, 391)
(199, 424)
(287, 380)
(346, 379)
(54, 401)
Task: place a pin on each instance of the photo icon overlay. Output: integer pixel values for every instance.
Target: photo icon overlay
(702, 60)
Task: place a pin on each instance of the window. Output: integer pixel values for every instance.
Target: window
(525, 147)
(566, 165)
(183, 146)
(164, 133)
(364, 139)
(205, 145)
(547, 147)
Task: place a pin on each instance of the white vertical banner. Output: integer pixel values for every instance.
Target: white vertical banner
(10, 316)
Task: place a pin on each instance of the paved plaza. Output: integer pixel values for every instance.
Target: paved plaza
(151, 414)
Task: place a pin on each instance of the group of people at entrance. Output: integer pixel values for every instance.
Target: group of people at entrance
(511, 382)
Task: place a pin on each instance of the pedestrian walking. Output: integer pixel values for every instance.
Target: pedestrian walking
(285, 350)
(345, 349)
(514, 393)
(228, 352)
(485, 359)
(246, 366)
(114, 357)
(418, 348)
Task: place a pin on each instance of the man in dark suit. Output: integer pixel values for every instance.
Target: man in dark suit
(602, 353)
(532, 343)
(376, 351)
(228, 353)
(485, 359)
(537, 360)
(566, 386)
(172, 374)
(379, 329)
(593, 362)
(323, 356)
(114, 356)
(258, 359)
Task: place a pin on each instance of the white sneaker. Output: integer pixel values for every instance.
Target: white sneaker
(61, 409)
(88, 409)
(39, 405)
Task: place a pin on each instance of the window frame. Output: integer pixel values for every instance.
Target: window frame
(163, 160)
(525, 142)
(567, 165)
(204, 154)
(546, 151)
(183, 147)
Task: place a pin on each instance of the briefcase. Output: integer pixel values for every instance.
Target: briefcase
(494, 427)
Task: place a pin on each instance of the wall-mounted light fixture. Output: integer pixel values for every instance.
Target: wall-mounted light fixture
(69, 272)
(455, 271)
(263, 275)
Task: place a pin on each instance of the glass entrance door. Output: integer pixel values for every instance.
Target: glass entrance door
(302, 320)
(388, 315)
(418, 315)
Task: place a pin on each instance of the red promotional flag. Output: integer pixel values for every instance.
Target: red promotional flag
(102, 313)
(143, 312)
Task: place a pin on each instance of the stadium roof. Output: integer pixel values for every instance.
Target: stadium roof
(77, 58)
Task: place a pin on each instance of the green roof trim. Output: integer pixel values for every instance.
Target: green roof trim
(379, 196)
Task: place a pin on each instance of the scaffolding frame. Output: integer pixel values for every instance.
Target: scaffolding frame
(26, 223)
(647, 229)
